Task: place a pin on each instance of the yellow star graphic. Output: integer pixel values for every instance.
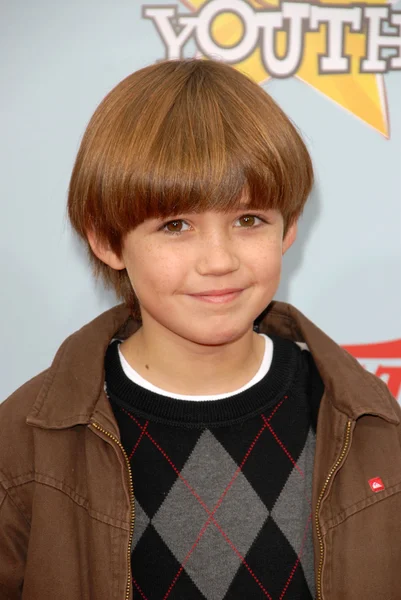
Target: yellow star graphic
(362, 94)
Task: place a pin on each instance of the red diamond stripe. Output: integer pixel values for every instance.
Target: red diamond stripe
(239, 469)
(225, 536)
(236, 473)
(294, 568)
(247, 454)
(204, 506)
(139, 589)
(266, 593)
(138, 440)
(280, 443)
(211, 514)
(170, 462)
(196, 542)
(212, 519)
(275, 409)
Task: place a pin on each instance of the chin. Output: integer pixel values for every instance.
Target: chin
(215, 336)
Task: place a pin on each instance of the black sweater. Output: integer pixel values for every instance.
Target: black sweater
(222, 487)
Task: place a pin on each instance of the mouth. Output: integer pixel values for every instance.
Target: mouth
(218, 296)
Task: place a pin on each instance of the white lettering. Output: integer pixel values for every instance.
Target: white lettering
(173, 41)
(335, 60)
(294, 20)
(395, 20)
(376, 40)
(295, 14)
(249, 40)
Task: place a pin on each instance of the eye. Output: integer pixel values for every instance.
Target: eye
(249, 221)
(173, 227)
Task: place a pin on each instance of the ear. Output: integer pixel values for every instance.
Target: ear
(290, 236)
(104, 253)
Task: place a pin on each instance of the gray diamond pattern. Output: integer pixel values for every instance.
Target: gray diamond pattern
(292, 507)
(181, 518)
(141, 522)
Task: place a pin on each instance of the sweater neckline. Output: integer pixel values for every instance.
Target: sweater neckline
(149, 404)
(263, 369)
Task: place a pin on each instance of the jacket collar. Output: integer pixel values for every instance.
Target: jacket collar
(72, 392)
(351, 388)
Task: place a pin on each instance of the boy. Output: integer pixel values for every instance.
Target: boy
(182, 445)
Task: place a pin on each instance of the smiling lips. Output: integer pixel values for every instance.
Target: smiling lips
(218, 296)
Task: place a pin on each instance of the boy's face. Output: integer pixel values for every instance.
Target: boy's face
(177, 265)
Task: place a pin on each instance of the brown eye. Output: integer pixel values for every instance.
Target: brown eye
(247, 220)
(174, 226)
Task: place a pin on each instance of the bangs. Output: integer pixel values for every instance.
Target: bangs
(183, 137)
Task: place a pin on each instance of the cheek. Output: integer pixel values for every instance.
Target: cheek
(267, 259)
(269, 275)
(152, 270)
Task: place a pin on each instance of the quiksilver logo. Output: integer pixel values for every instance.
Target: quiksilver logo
(376, 484)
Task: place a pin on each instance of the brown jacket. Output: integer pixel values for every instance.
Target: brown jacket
(67, 507)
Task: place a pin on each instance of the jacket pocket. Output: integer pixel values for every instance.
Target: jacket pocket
(363, 550)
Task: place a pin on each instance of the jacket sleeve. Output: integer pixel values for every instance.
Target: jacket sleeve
(14, 533)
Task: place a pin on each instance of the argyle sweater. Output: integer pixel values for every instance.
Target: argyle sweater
(222, 487)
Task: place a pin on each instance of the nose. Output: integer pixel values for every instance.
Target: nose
(217, 256)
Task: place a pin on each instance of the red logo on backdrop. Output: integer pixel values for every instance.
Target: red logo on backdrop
(382, 359)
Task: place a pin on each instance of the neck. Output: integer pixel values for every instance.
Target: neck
(181, 366)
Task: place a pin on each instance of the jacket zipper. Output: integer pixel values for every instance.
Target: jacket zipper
(333, 470)
(132, 503)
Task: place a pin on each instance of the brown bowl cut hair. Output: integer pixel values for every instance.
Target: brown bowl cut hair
(183, 136)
